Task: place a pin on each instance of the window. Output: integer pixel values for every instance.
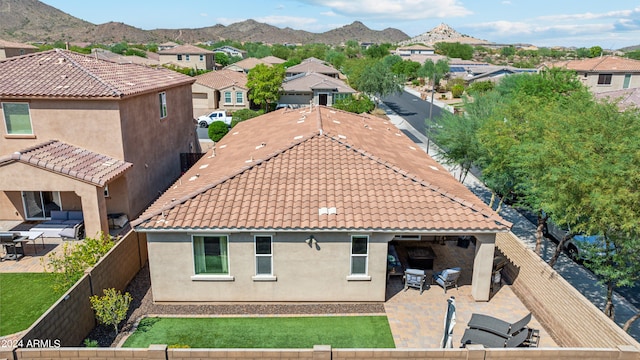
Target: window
(227, 97)
(239, 97)
(604, 79)
(186, 57)
(211, 255)
(201, 57)
(163, 105)
(627, 80)
(179, 57)
(264, 255)
(359, 254)
(17, 119)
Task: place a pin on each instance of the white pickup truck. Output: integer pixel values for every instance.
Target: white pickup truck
(218, 115)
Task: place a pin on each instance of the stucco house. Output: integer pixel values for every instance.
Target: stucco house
(313, 88)
(223, 89)
(80, 133)
(300, 205)
(415, 50)
(246, 65)
(231, 51)
(312, 65)
(188, 56)
(9, 49)
(606, 73)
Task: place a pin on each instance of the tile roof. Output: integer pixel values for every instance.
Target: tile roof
(185, 49)
(72, 161)
(248, 63)
(415, 47)
(600, 64)
(9, 44)
(222, 79)
(311, 66)
(66, 74)
(273, 60)
(309, 81)
(318, 168)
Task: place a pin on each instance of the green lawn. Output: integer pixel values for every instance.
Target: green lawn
(23, 298)
(265, 332)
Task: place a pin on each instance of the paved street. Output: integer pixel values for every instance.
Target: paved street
(416, 110)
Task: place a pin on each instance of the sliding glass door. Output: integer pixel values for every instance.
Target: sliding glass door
(39, 204)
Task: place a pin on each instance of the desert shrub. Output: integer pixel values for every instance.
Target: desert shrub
(111, 308)
(217, 130)
(355, 104)
(244, 114)
(457, 90)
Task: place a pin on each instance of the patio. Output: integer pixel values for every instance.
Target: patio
(417, 321)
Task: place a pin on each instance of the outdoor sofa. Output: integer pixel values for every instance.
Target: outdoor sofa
(62, 221)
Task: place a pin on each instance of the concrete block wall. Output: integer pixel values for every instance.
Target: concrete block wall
(90, 354)
(566, 314)
(71, 318)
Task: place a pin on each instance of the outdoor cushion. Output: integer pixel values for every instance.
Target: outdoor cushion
(72, 222)
(75, 215)
(57, 215)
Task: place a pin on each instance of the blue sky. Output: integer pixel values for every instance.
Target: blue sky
(611, 24)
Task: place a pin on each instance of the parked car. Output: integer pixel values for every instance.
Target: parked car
(218, 115)
(574, 246)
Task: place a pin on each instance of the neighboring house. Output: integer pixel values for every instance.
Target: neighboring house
(103, 54)
(273, 60)
(188, 56)
(231, 51)
(80, 133)
(415, 50)
(313, 88)
(312, 65)
(626, 99)
(487, 73)
(300, 206)
(606, 73)
(246, 65)
(10, 49)
(224, 89)
(167, 45)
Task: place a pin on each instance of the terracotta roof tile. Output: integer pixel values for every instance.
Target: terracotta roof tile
(65, 74)
(72, 161)
(10, 44)
(222, 79)
(185, 49)
(600, 64)
(310, 81)
(248, 63)
(354, 163)
(311, 67)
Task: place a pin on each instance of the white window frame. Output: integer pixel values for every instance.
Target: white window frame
(210, 277)
(4, 116)
(225, 97)
(366, 256)
(239, 97)
(258, 276)
(162, 97)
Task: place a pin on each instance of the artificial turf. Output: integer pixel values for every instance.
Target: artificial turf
(264, 332)
(23, 298)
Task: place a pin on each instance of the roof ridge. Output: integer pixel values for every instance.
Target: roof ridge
(191, 195)
(417, 179)
(66, 54)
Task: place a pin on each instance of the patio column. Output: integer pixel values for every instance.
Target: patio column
(482, 267)
(94, 211)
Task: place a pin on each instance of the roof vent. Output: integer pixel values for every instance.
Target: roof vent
(434, 168)
(204, 166)
(327, 211)
(298, 137)
(336, 121)
(341, 136)
(261, 146)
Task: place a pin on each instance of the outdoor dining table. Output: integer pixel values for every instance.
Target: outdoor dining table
(33, 236)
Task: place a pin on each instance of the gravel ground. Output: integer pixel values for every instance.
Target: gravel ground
(142, 304)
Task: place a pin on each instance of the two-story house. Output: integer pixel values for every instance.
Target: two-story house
(80, 133)
(223, 89)
(9, 49)
(188, 56)
(605, 73)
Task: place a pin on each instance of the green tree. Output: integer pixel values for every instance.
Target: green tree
(244, 114)
(455, 50)
(221, 58)
(377, 51)
(435, 72)
(595, 51)
(582, 53)
(355, 104)
(379, 80)
(635, 54)
(264, 83)
(335, 58)
(508, 51)
(111, 308)
(217, 130)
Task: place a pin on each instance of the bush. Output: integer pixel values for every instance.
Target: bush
(481, 86)
(244, 114)
(217, 130)
(457, 90)
(111, 308)
(354, 104)
(71, 265)
(90, 343)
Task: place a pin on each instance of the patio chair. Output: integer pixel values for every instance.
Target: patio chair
(447, 278)
(415, 278)
(497, 326)
(491, 340)
(73, 233)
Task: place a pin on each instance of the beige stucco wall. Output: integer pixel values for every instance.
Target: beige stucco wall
(201, 105)
(233, 105)
(617, 82)
(154, 145)
(301, 99)
(302, 273)
(193, 62)
(18, 176)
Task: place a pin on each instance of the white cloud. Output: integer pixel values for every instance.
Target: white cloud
(328, 13)
(287, 21)
(395, 9)
(229, 21)
(204, 14)
(506, 2)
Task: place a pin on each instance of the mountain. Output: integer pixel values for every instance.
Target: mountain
(34, 21)
(443, 33)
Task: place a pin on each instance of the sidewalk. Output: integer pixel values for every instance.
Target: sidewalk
(578, 276)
